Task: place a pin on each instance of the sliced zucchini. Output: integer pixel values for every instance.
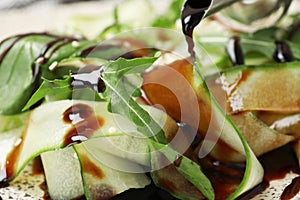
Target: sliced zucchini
(103, 182)
(47, 130)
(62, 172)
(132, 146)
(272, 87)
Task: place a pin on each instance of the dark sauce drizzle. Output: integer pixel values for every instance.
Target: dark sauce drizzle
(192, 13)
(191, 16)
(89, 50)
(42, 58)
(4, 183)
(234, 51)
(84, 122)
(89, 77)
(283, 52)
(16, 39)
(11, 161)
(276, 164)
(48, 46)
(127, 55)
(291, 190)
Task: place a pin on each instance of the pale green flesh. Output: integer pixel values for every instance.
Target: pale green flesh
(46, 128)
(62, 172)
(101, 181)
(13, 121)
(72, 179)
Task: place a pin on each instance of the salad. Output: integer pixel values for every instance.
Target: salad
(146, 111)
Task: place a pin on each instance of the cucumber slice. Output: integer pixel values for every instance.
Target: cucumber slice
(132, 146)
(47, 131)
(103, 182)
(62, 172)
(272, 87)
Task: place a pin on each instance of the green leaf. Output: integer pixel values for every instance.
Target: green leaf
(12, 121)
(59, 88)
(188, 168)
(67, 50)
(123, 66)
(16, 74)
(121, 99)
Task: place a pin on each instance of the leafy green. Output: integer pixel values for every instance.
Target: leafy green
(67, 50)
(122, 102)
(13, 121)
(293, 31)
(120, 98)
(17, 82)
(16, 76)
(188, 168)
(58, 89)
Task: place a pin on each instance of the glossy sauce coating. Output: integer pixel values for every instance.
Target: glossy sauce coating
(88, 77)
(15, 40)
(283, 52)
(12, 159)
(84, 122)
(192, 13)
(90, 167)
(235, 52)
(291, 190)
